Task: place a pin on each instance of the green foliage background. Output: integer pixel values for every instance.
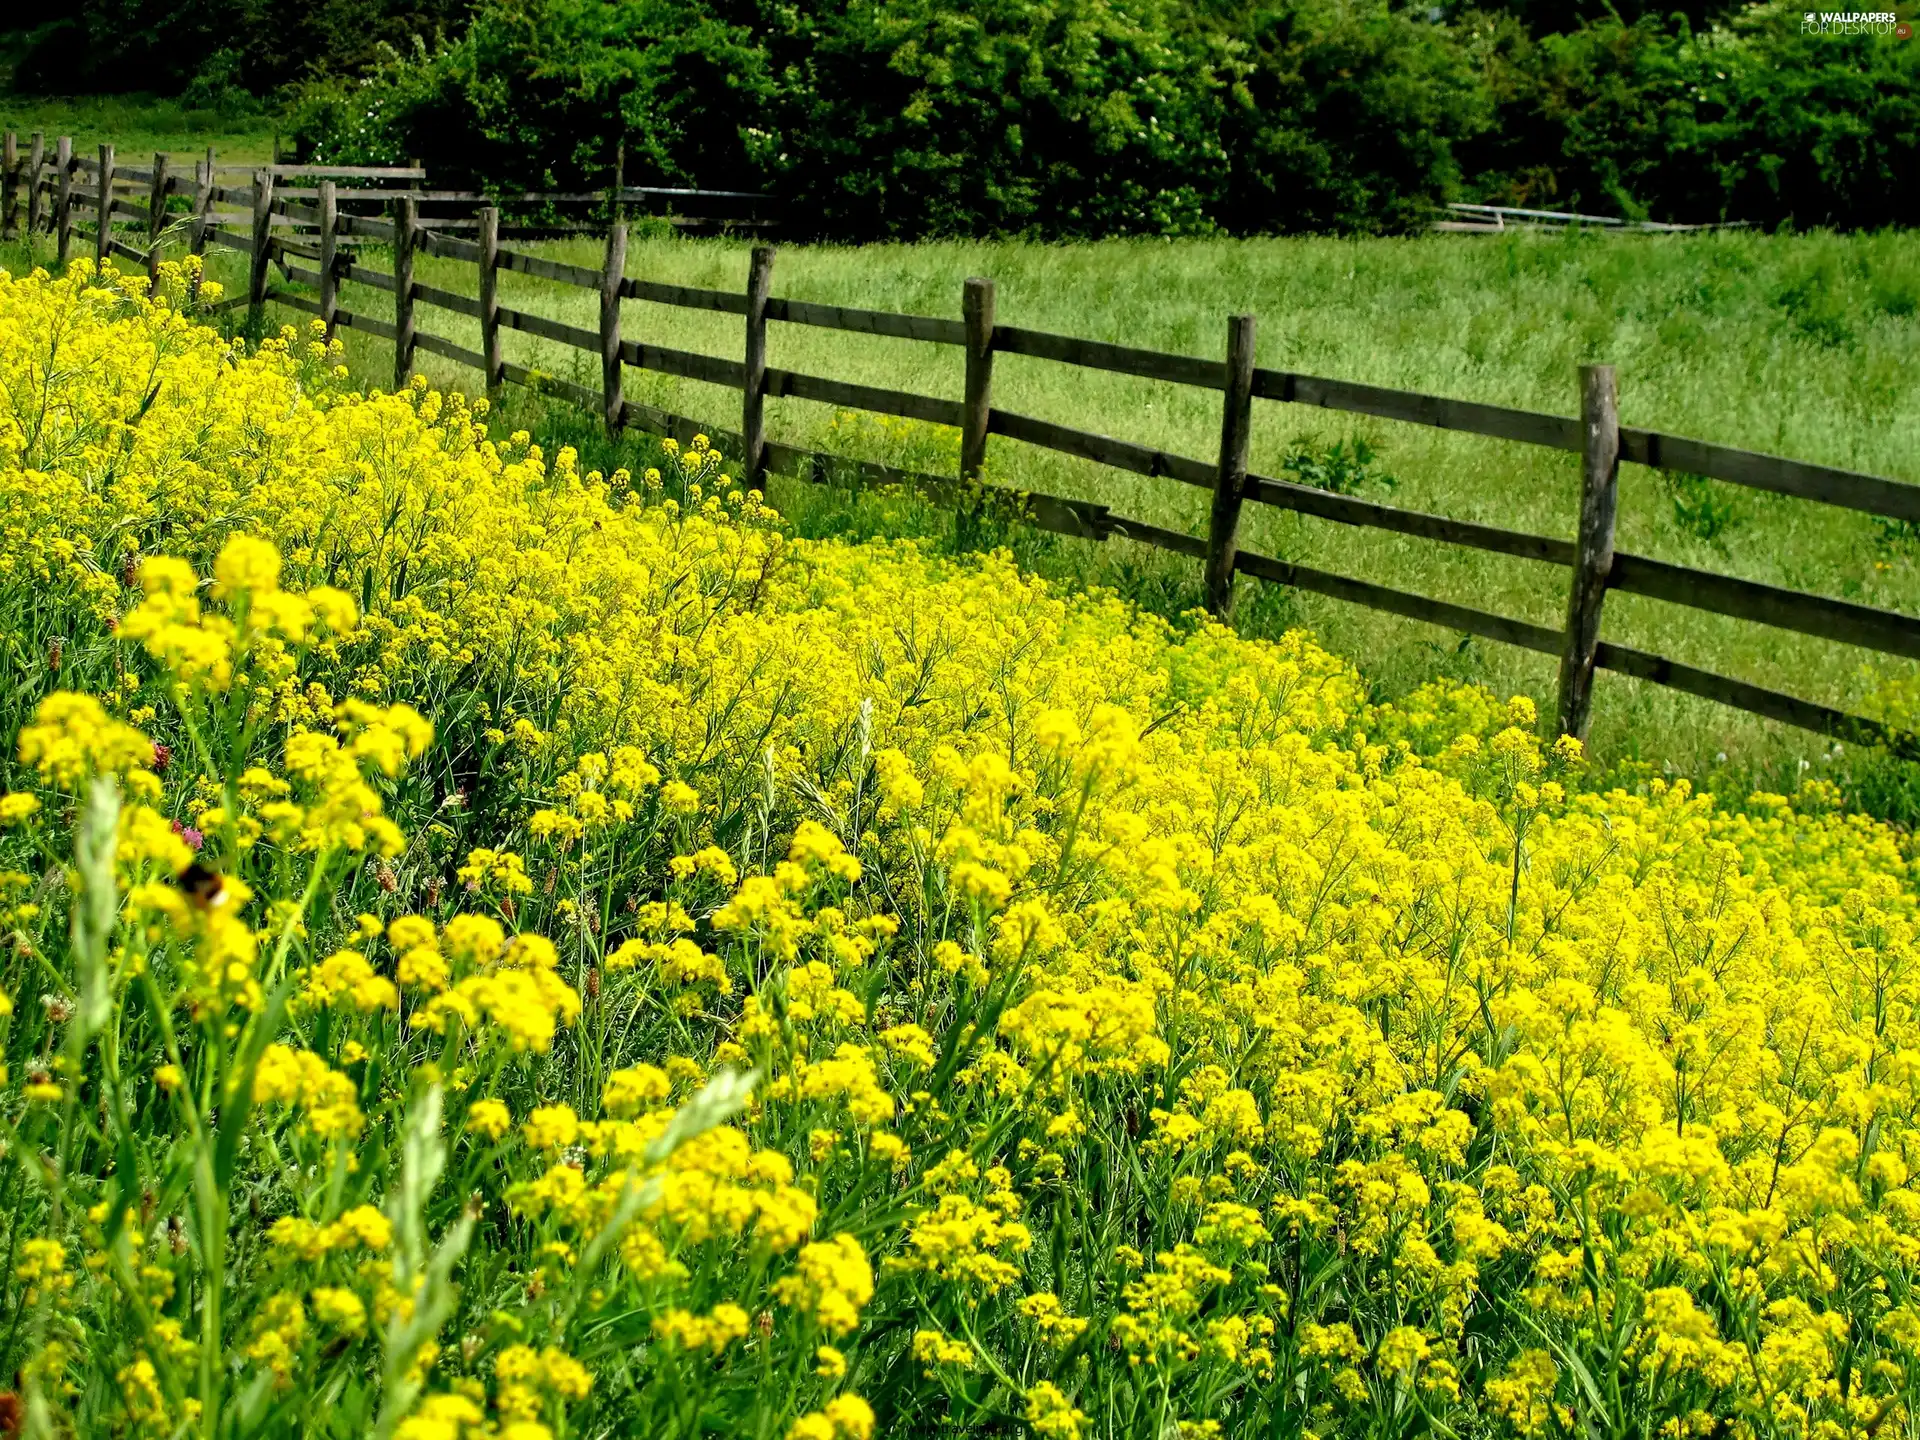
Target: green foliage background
(1070, 118)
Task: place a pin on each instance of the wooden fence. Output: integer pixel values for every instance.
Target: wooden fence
(1463, 218)
(314, 228)
(57, 185)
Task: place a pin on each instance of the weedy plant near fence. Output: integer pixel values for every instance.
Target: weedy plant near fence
(317, 224)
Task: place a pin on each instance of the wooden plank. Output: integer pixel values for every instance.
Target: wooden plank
(1121, 454)
(687, 297)
(612, 373)
(685, 363)
(230, 239)
(1557, 432)
(457, 353)
(976, 405)
(365, 322)
(260, 246)
(296, 300)
(406, 222)
(117, 246)
(868, 322)
(753, 373)
(1886, 631)
(299, 214)
(1399, 602)
(1120, 359)
(435, 242)
(1347, 510)
(682, 428)
(574, 335)
(550, 385)
(130, 210)
(489, 261)
(643, 192)
(367, 275)
(274, 222)
(159, 184)
(1593, 545)
(1084, 519)
(9, 186)
(294, 247)
(103, 209)
(343, 172)
(1848, 489)
(329, 257)
(36, 161)
(301, 275)
(864, 397)
(383, 196)
(446, 299)
(202, 206)
(553, 270)
(1230, 476)
(1756, 699)
(1142, 533)
(362, 225)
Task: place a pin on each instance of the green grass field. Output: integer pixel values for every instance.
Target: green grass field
(1805, 345)
(137, 126)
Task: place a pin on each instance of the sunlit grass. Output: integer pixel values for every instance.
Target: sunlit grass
(137, 126)
(1801, 345)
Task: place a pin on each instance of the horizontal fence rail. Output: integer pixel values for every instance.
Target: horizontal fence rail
(140, 192)
(1596, 435)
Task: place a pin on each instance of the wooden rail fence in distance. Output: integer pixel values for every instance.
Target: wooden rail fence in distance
(1597, 566)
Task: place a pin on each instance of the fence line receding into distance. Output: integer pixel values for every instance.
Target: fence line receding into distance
(314, 225)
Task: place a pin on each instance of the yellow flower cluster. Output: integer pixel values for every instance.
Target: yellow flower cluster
(611, 966)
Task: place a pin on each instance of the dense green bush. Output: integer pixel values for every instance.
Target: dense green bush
(1080, 117)
(218, 51)
(538, 93)
(909, 117)
(1751, 120)
(1347, 118)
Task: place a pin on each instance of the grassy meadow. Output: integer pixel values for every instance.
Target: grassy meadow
(1804, 345)
(1807, 346)
(137, 126)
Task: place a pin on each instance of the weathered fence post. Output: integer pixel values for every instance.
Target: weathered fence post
(36, 161)
(262, 252)
(976, 313)
(616, 206)
(157, 198)
(202, 207)
(156, 219)
(490, 297)
(63, 199)
(10, 185)
(329, 257)
(1230, 478)
(1593, 547)
(753, 404)
(610, 277)
(103, 227)
(406, 216)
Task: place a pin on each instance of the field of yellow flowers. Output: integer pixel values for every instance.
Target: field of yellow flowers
(488, 949)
